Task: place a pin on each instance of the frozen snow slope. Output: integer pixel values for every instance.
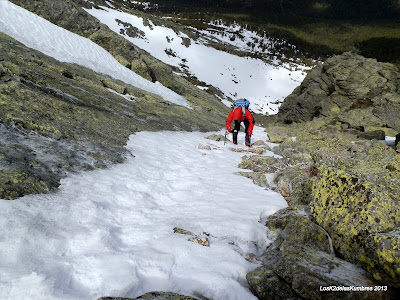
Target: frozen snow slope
(38, 33)
(110, 232)
(263, 84)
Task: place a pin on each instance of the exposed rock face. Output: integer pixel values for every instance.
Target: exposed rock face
(328, 131)
(352, 187)
(358, 92)
(301, 261)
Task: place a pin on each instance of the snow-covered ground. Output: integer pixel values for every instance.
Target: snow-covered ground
(110, 232)
(38, 33)
(265, 85)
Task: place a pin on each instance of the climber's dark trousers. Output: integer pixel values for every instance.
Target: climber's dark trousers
(236, 129)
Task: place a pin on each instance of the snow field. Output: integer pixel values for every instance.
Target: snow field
(110, 232)
(237, 77)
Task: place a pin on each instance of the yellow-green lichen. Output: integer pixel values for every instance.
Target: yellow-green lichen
(349, 208)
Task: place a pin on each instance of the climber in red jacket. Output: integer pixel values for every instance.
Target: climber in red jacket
(239, 114)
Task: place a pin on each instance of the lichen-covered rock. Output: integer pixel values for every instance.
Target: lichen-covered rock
(258, 178)
(317, 136)
(309, 270)
(263, 164)
(301, 261)
(299, 229)
(351, 207)
(353, 89)
(279, 133)
(380, 255)
(374, 135)
(332, 122)
(295, 184)
(266, 285)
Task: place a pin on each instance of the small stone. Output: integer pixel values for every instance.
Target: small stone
(204, 147)
(216, 137)
(202, 241)
(250, 257)
(182, 231)
(237, 150)
(256, 150)
(259, 143)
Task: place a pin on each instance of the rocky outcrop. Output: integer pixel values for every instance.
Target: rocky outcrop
(300, 264)
(358, 92)
(57, 118)
(330, 133)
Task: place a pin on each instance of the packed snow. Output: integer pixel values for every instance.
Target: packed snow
(265, 85)
(38, 33)
(110, 232)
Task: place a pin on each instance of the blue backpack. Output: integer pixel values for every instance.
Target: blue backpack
(243, 103)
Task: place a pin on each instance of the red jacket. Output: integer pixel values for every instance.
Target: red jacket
(237, 114)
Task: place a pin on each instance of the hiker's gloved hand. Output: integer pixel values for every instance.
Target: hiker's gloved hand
(229, 130)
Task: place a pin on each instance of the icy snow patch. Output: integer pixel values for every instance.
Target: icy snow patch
(110, 232)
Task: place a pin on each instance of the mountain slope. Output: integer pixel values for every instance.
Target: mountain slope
(219, 60)
(54, 114)
(69, 105)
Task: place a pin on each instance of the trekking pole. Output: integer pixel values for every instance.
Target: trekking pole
(225, 137)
